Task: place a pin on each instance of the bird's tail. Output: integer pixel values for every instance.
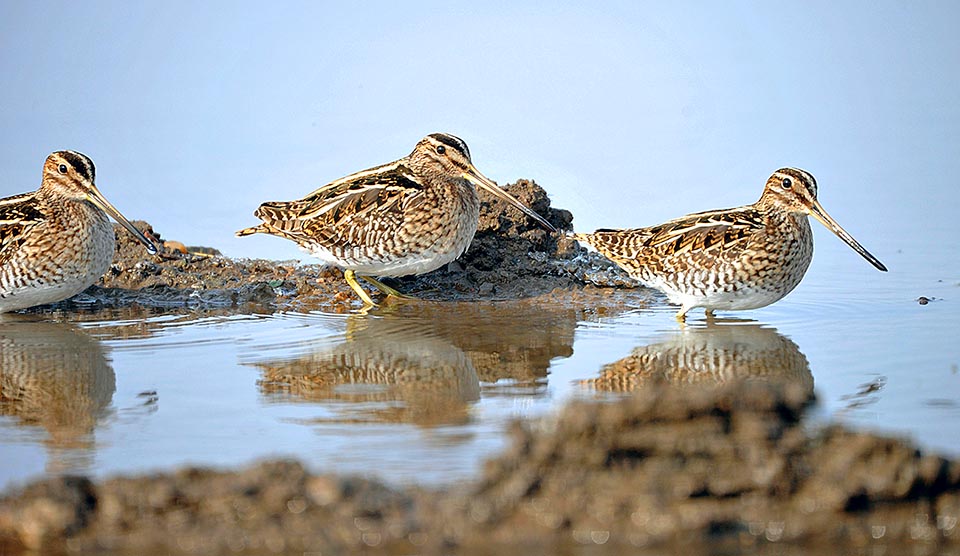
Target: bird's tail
(260, 229)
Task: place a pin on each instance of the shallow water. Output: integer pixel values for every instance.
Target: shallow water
(422, 392)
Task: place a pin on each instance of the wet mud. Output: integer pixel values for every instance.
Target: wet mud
(694, 467)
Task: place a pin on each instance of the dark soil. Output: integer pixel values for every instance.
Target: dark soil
(692, 469)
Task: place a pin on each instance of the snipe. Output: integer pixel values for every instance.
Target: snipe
(406, 217)
(57, 241)
(734, 259)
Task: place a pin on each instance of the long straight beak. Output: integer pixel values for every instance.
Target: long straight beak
(816, 210)
(100, 201)
(474, 176)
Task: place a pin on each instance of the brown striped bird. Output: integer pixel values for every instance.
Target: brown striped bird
(57, 241)
(406, 217)
(732, 259)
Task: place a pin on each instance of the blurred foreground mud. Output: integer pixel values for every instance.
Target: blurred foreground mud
(695, 468)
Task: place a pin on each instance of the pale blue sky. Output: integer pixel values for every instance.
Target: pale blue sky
(628, 114)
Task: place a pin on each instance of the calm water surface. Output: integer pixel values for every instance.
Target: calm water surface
(422, 392)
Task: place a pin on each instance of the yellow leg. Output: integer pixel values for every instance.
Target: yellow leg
(709, 313)
(681, 315)
(384, 288)
(351, 278)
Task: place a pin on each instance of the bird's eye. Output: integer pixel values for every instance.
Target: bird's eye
(787, 183)
(441, 149)
(62, 168)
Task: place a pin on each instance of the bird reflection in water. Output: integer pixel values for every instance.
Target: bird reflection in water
(717, 353)
(56, 377)
(424, 363)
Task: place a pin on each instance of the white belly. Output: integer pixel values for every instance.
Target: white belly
(416, 263)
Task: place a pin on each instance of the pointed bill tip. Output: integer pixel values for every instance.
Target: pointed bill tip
(97, 198)
(828, 222)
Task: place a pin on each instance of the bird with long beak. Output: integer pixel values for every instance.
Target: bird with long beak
(407, 217)
(733, 259)
(57, 241)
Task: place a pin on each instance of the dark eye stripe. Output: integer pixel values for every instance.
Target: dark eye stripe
(800, 178)
(453, 142)
(81, 163)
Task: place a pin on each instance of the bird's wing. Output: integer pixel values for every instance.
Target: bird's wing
(18, 214)
(371, 199)
(720, 231)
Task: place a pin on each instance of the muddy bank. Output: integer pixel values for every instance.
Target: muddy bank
(511, 257)
(666, 467)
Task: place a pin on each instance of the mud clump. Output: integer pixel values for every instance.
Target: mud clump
(696, 469)
(681, 466)
(511, 257)
(202, 277)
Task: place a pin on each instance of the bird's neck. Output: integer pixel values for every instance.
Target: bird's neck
(58, 203)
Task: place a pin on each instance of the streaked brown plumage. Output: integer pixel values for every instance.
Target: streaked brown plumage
(410, 216)
(734, 259)
(57, 241)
